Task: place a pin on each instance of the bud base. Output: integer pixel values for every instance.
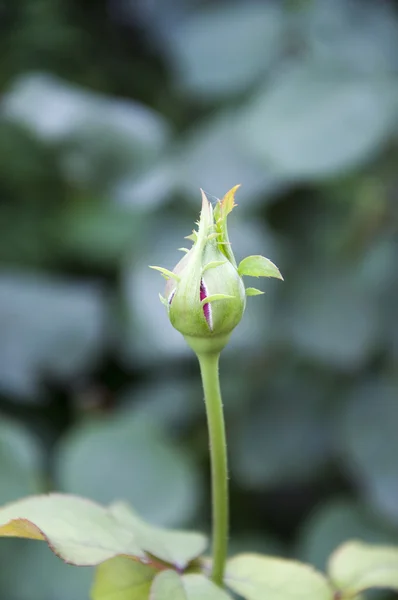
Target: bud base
(207, 345)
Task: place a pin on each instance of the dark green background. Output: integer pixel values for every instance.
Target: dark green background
(112, 115)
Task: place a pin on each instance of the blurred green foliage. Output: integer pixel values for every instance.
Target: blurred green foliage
(113, 114)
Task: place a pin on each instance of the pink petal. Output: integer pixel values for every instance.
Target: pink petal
(207, 307)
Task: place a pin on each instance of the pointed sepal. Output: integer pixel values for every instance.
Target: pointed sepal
(213, 264)
(163, 300)
(253, 292)
(166, 273)
(226, 205)
(216, 297)
(193, 237)
(221, 211)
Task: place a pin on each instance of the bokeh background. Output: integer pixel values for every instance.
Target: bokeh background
(113, 113)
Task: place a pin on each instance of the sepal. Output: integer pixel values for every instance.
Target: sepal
(166, 273)
(253, 292)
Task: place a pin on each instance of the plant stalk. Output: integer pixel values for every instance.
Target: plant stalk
(219, 468)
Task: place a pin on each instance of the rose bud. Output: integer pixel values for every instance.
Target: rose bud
(205, 295)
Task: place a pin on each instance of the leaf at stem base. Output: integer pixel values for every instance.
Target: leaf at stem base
(258, 577)
(122, 579)
(356, 567)
(168, 585)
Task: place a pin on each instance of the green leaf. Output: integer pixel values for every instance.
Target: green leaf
(77, 530)
(170, 586)
(175, 547)
(216, 297)
(122, 579)
(198, 587)
(167, 586)
(166, 273)
(256, 577)
(356, 567)
(258, 266)
(253, 292)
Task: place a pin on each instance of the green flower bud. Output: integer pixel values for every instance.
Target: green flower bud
(205, 295)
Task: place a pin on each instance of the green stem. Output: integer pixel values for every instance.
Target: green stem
(218, 455)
